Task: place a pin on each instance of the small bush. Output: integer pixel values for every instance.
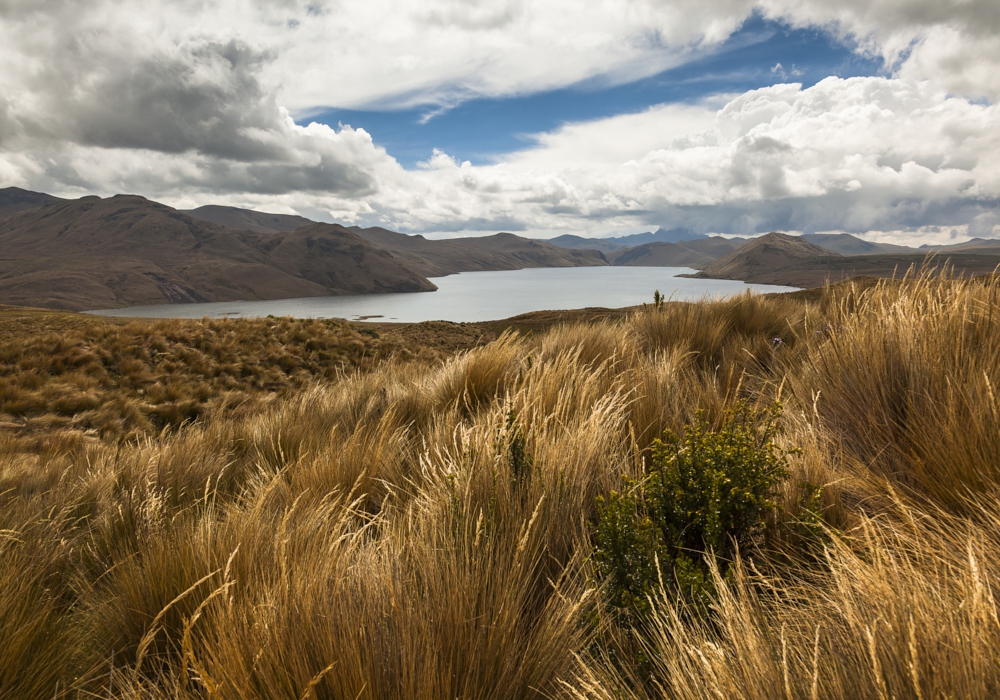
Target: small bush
(707, 493)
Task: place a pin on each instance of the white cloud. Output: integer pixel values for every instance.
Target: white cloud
(859, 154)
(356, 53)
(954, 43)
(188, 101)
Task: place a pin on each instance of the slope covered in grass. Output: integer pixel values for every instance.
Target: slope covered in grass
(425, 529)
(118, 380)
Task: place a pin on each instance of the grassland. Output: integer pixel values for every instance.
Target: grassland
(365, 525)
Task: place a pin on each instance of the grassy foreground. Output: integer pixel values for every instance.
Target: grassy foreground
(368, 527)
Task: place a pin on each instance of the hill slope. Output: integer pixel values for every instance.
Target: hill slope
(501, 251)
(432, 258)
(767, 258)
(609, 245)
(989, 245)
(126, 250)
(248, 219)
(660, 235)
(846, 244)
(14, 199)
(580, 243)
(789, 260)
(528, 252)
(697, 253)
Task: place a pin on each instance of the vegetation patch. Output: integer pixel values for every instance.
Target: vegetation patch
(119, 379)
(707, 495)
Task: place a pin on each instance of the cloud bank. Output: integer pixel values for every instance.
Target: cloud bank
(191, 102)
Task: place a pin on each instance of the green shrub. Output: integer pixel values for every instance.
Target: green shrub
(707, 493)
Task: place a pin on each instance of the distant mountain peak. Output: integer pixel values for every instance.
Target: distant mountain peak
(768, 252)
(15, 199)
(660, 235)
(248, 219)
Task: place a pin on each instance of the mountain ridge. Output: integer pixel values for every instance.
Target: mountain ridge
(248, 219)
(696, 253)
(778, 258)
(126, 250)
(15, 199)
(761, 258)
(500, 251)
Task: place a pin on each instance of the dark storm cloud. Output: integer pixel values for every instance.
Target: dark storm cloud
(199, 95)
(83, 85)
(204, 96)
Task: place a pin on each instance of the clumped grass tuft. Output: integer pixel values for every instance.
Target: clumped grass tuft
(286, 509)
(120, 380)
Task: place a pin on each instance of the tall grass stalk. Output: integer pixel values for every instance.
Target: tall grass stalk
(425, 529)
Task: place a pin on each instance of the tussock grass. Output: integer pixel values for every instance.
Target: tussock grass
(905, 383)
(424, 529)
(905, 609)
(124, 380)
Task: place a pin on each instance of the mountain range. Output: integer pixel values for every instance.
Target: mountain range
(777, 258)
(606, 245)
(126, 250)
(502, 251)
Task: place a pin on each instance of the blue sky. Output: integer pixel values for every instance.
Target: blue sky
(480, 130)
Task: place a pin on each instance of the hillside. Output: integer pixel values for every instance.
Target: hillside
(14, 199)
(502, 251)
(247, 219)
(527, 252)
(580, 243)
(660, 235)
(126, 250)
(432, 258)
(978, 244)
(773, 256)
(610, 245)
(789, 260)
(846, 244)
(696, 253)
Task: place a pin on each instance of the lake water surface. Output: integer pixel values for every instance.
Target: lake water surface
(477, 296)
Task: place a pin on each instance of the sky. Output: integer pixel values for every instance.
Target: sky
(468, 117)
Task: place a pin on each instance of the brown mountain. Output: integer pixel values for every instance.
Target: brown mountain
(14, 199)
(580, 243)
(432, 258)
(528, 252)
(697, 253)
(766, 259)
(789, 260)
(660, 255)
(846, 244)
(985, 245)
(248, 219)
(126, 250)
(503, 251)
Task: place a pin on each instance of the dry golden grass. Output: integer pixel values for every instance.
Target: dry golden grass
(113, 379)
(422, 530)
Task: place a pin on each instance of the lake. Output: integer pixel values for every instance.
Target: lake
(477, 296)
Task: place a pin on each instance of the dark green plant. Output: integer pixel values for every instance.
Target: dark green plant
(707, 494)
